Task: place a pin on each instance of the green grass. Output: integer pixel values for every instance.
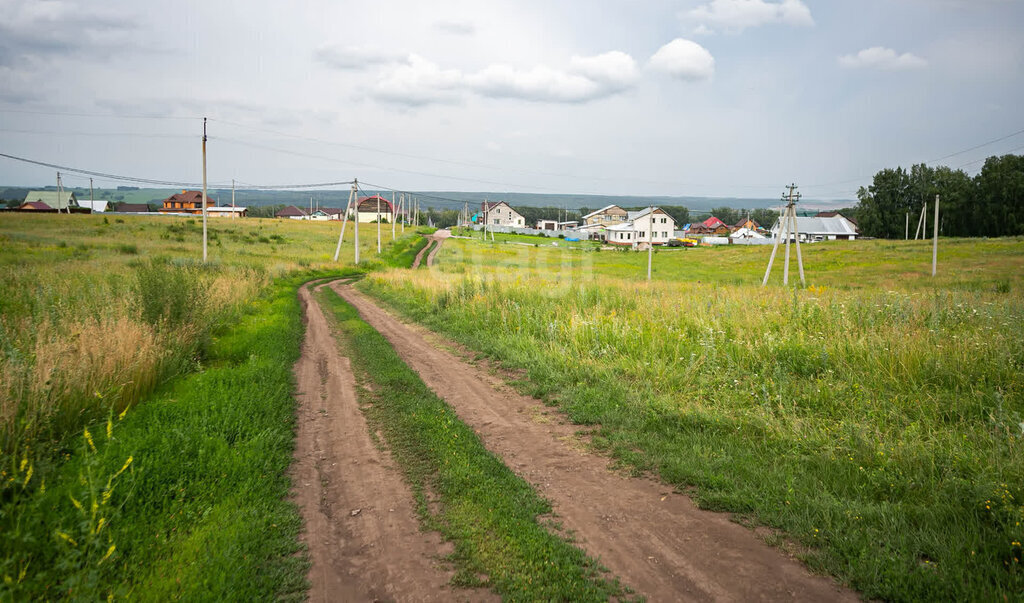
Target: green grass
(490, 514)
(201, 512)
(874, 417)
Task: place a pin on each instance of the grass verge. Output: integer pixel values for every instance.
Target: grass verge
(486, 510)
(185, 496)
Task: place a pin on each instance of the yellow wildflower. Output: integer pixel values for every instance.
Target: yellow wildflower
(100, 524)
(28, 476)
(110, 428)
(88, 438)
(67, 538)
(77, 504)
(123, 413)
(110, 551)
(125, 466)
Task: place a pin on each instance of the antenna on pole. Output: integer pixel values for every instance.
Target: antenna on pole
(204, 190)
(788, 228)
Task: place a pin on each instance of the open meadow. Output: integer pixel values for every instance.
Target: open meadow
(100, 312)
(872, 422)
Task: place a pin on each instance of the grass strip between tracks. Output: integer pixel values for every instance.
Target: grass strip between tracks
(185, 495)
(461, 489)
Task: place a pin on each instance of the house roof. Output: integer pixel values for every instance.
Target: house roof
(836, 225)
(332, 211)
(289, 211)
(97, 205)
(742, 223)
(747, 233)
(713, 222)
(188, 197)
(140, 208)
(635, 215)
(833, 214)
(369, 205)
(228, 208)
(600, 211)
(35, 205)
(624, 227)
(53, 199)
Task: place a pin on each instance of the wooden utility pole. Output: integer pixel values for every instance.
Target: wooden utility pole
(204, 190)
(650, 239)
(341, 235)
(787, 227)
(935, 238)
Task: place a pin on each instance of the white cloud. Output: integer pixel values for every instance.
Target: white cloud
(458, 28)
(419, 82)
(737, 15)
(879, 57)
(703, 30)
(355, 58)
(684, 59)
(587, 78)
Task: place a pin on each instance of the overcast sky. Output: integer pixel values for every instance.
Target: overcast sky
(661, 97)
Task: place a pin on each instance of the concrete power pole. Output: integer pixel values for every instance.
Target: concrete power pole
(378, 223)
(92, 197)
(341, 235)
(204, 190)
(393, 215)
(650, 239)
(935, 238)
(787, 227)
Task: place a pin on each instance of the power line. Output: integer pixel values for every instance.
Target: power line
(107, 115)
(172, 183)
(984, 144)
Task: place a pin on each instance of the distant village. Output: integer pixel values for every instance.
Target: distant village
(612, 224)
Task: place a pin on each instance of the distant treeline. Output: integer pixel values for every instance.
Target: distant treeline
(991, 204)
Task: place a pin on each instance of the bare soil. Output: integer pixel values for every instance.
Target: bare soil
(655, 540)
(434, 243)
(361, 529)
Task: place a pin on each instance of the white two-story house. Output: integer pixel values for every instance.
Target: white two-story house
(498, 213)
(651, 225)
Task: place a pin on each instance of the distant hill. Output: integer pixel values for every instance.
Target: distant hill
(430, 199)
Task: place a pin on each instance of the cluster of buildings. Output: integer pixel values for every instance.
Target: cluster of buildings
(367, 209)
(653, 225)
(183, 203)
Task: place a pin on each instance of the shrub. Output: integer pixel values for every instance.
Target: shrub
(169, 295)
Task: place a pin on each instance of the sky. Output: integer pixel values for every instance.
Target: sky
(719, 98)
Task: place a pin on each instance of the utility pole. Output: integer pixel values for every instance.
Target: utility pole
(204, 190)
(92, 198)
(906, 233)
(393, 215)
(402, 213)
(378, 223)
(60, 189)
(935, 238)
(650, 238)
(341, 236)
(355, 186)
(787, 227)
(232, 198)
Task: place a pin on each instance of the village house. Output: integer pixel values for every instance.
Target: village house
(370, 208)
(650, 221)
(132, 208)
(291, 212)
(836, 228)
(606, 216)
(555, 225)
(185, 202)
(834, 214)
(53, 199)
(499, 213)
(227, 212)
(97, 206)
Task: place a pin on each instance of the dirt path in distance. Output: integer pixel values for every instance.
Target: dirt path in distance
(656, 541)
(434, 243)
(361, 528)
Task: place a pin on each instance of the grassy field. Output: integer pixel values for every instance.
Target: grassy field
(101, 312)
(875, 418)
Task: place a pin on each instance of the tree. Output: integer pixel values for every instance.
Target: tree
(764, 217)
(728, 215)
(999, 208)
(883, 204)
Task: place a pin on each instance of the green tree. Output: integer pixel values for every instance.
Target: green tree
(1000, 197)
(728, 215)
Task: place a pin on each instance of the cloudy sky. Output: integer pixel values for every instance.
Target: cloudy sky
(661, 97)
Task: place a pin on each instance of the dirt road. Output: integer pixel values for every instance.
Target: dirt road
(656, 541)
(434, 243)
(363, 536)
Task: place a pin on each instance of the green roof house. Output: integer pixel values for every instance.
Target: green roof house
(59, 201)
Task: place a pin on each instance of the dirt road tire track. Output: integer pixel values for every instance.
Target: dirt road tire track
(361, 529)
(434, 243)
(656, 541)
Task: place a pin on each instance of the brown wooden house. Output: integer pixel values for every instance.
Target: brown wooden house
(186, 202)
